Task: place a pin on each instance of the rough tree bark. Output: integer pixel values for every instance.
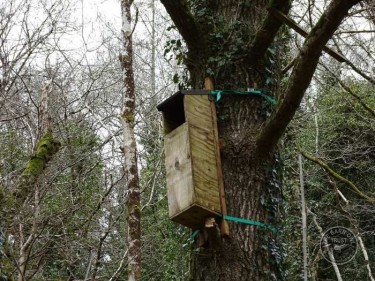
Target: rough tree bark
(233, 42)
(129, 148)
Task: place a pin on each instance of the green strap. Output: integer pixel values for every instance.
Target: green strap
(219, 93)
(193, 235)
(251, 222)
(239, 220)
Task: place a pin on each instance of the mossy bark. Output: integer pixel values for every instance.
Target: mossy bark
(129, 148)
(45, 149)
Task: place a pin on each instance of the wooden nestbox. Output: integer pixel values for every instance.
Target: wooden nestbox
(191, 158)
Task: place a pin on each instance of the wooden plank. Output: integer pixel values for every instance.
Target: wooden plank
(224, 227)
(197, 111)
(292, 24)
(191, 163)
(179, 170)
(203, 154)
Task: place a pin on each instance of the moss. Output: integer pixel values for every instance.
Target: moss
(128, 116)
(34, 167)
(46, 148)
(6, 270)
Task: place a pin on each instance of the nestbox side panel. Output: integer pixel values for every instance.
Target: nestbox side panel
(179, 170)
(205, 175)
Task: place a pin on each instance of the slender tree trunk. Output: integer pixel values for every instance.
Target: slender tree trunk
(366, 258)
(304, 221)
(330, 253)
(316, 123)
(129, 148)
(22, 255)
(153, 50)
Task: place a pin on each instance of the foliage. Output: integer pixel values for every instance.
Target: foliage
(344, 133)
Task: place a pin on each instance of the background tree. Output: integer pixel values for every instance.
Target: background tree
(345, 129)
(130, 148)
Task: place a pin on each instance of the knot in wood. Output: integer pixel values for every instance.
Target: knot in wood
(177, 164)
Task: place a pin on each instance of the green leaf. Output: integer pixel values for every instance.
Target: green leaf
(175, 78)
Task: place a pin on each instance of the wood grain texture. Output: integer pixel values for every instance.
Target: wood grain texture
(191, 165)
(205, 175)
(197, 111)
(179, 170)
(224, 226)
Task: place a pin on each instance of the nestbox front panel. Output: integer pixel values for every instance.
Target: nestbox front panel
(179, 170)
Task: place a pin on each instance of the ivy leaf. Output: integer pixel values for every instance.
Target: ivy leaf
(175, 78)
(272, 51)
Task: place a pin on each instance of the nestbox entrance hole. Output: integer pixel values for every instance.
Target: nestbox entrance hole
(173, 113)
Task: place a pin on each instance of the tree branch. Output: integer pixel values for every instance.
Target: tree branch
(331, 256)
(355, 68)
(349, 91)
(266, 34)
(337, 176)
(181, 16)
(47, 147)
(365, 256)
(304, 68)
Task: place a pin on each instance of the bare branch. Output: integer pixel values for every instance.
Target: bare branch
(337, 176)
(349, 91)
(355, 68)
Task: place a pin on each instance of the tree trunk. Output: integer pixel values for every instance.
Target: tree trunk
(304, 219)
(250, 252)
(252, 190)
(130, 149)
